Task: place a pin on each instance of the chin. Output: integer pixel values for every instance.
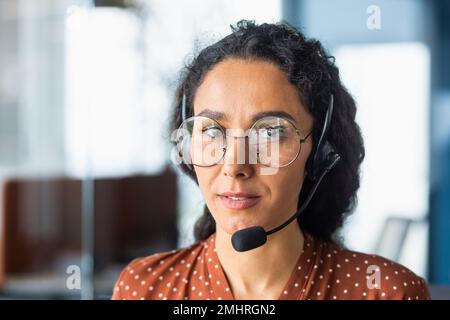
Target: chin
(232, 227)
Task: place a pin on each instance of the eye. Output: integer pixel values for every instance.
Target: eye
(212, 131)
(272, 132)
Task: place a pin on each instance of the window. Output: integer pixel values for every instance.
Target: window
(390, 85)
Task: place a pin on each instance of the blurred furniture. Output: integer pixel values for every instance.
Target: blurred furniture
(392, 238)
(40, 227)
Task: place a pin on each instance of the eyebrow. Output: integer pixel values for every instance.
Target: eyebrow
(215, 115)
(219, 115)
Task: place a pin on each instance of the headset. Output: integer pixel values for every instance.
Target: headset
(323, 156)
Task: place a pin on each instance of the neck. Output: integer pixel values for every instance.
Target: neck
(264, 269)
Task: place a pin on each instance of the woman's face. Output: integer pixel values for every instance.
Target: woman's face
(235, 92)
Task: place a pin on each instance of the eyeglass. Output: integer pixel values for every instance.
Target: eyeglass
(272, 141)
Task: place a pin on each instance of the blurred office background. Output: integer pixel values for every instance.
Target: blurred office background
(86, 180)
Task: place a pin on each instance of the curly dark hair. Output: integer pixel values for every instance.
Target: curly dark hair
(312, 71)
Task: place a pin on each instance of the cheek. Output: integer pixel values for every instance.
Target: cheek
(286, 184)
(206, 178)
(208, 183)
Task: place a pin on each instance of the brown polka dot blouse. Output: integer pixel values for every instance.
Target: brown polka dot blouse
(323, 271)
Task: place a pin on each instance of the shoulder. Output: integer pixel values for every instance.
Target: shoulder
(373, 277)
(146, 274)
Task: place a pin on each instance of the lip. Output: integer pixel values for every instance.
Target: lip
(248, 200)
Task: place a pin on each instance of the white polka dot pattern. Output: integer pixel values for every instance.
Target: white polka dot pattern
(323, 271)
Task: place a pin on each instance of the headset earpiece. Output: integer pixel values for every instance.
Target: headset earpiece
(323, 156)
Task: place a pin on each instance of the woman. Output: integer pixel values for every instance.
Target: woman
(265, 95)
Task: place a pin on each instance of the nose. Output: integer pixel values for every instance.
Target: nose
(236, 158)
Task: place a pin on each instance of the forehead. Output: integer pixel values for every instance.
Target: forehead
(241, 88)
